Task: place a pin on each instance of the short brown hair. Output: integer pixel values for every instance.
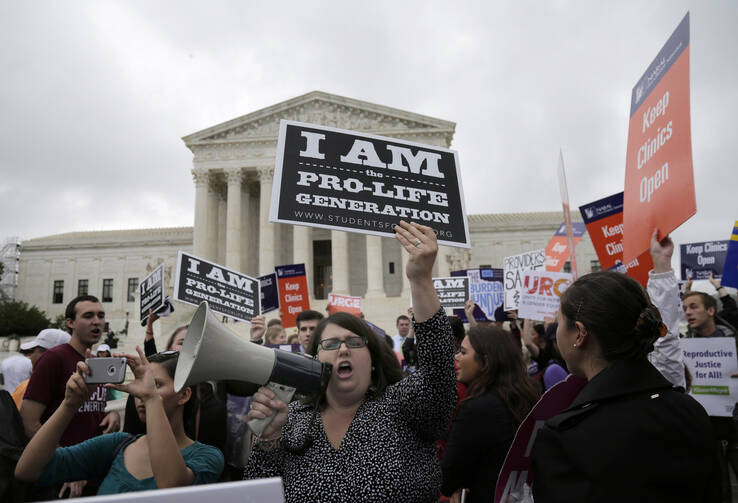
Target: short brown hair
(707, 300)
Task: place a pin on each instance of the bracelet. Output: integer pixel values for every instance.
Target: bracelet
(267, 445)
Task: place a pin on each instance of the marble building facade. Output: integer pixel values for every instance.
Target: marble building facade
(233, 166)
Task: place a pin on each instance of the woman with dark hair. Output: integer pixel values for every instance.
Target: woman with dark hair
(165, 457)
(629, 435)
(499, 396)
(369, 436)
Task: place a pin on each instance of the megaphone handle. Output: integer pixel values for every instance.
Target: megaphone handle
(281, 392)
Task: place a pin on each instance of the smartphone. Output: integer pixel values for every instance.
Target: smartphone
(104, 370)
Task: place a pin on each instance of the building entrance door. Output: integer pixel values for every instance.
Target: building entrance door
(323, 268)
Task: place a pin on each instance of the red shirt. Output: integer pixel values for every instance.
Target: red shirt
(47, 385)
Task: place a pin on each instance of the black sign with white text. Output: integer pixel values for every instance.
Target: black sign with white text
(340, 179)
(228, 292)
(452, 292)
(152, 292)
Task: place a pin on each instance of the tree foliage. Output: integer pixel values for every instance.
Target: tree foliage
(18, 318)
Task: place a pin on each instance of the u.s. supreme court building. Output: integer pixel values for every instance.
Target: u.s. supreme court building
(233, 166)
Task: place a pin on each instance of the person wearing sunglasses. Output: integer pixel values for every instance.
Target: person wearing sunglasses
(164, 457)
(370, 436)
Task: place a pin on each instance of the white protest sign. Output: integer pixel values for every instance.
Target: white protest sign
(514, 267)
(711, 361)
(540, 294)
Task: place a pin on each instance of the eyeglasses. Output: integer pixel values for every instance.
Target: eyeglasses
(352, 342)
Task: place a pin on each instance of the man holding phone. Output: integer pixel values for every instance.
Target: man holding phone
(86, 318)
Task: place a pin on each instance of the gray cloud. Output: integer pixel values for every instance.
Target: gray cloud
(96, 96)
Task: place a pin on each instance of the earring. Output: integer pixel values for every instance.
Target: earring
(574, 345)
(374, 368)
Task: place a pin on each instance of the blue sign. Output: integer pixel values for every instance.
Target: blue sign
(269, 293)
(701, 259)
(730, 271)
(487, 292)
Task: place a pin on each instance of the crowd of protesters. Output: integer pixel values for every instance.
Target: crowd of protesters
(426, 414)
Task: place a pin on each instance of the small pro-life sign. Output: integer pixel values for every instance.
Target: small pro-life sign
(712, 361)
(269, 293)
(698, 260)
(356, 182)
(659, 181)
(452, 292)
(228, 292)
(514, 267)
(151, 292)
(541, 293)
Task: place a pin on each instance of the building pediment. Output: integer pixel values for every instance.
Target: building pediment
(325, 109)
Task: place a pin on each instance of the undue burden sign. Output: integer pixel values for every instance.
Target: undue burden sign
(659, 182)
(340, 179)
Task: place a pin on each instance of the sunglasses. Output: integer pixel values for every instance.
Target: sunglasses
(352, 342)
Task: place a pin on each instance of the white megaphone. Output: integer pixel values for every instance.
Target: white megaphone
(212, 352)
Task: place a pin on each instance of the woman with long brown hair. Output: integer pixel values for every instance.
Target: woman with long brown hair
(500, 395)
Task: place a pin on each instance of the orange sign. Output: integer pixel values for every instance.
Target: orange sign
(604, 220)
(293, 292)
(659, 182)
(346, 303)
(558, 249)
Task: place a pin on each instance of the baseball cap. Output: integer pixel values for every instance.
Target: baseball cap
(102, 347)
(47, 338)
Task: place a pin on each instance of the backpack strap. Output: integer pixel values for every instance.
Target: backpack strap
(118, 448)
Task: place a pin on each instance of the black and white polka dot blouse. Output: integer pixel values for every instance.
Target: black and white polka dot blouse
(389, 452)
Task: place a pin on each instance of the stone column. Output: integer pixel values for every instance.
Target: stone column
(302, 251)
(247, 233)
(374, 268)
(211, 229)
(199, 231)
(266, 229)
(405, 282)
(340, 262)
(442, 261)
(234, 178)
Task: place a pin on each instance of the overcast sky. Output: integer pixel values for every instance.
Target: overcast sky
(95, 96)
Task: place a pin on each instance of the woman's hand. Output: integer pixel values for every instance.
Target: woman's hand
(265, 405)
(150, 319)
(77, 392)
(661, 252)
(469, 311)
(143, 385)
(420, 243)
(258, 327)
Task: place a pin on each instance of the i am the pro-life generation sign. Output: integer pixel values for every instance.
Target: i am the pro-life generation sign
(228, 292)
(452, 292)
(152, 292)
(344, 180)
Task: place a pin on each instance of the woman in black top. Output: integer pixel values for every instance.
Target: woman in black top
(368, 437)
(499, 396)
(628, 435)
